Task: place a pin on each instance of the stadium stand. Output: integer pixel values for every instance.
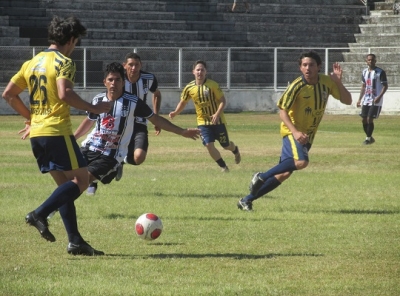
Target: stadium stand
(209, 23)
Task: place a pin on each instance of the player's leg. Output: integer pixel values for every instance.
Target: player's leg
(365, 110)
(208, 139)
(61, 157)
(137, 149)
(234, 6)
(104, 169)
(223, 138)
(293, 157)
(373, 114)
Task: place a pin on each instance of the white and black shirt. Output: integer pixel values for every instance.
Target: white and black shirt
(146, 83)
(374, 81)
(114, 129)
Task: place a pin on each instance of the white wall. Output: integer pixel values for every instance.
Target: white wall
(242, 100)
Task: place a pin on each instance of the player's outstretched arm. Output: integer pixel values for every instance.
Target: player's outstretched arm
(167, 125)
(69, 96)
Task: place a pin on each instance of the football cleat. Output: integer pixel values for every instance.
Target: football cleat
(256, 183)
(41, 225)
(83, 249)
(245, 206)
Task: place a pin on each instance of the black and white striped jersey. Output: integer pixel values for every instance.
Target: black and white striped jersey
(113, 130)
(146, 83)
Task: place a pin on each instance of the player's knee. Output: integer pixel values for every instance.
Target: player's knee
(283, 177)
(301, 164)
(139, 158)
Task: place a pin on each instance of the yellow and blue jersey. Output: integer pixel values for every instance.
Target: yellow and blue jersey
(306, 103)
(50, 116)
(206, 99)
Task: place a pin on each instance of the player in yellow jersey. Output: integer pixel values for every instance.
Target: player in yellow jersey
(49, 77)
(302, 107)
(209, 101)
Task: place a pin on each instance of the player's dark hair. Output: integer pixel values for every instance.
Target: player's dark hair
(310, 54)
(199, 62)
(132, 55)
(114, 68)
(61, 30)
(370, 55)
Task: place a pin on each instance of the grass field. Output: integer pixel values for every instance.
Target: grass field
(331, 229)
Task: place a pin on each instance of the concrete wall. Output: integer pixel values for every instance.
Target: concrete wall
(240, 100)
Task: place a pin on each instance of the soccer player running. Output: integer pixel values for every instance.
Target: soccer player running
(139, 83)
(374, 86)
(107, 144)
(302, 107)
(49, 77)
(210, 102)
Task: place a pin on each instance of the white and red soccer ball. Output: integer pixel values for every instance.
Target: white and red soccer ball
(148, 226)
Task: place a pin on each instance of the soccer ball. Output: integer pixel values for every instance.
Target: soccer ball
(148, 226)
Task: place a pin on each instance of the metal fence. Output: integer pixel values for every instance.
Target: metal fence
(233, 68)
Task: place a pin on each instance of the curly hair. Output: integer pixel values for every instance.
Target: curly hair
(61, 30)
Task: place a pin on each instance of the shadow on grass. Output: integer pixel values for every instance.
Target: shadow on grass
(204, 195)
(222, 255)
(246, 217)
(366, 212)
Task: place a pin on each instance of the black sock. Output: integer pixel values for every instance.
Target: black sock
(221, 163)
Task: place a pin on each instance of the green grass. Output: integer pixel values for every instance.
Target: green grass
(331, 229)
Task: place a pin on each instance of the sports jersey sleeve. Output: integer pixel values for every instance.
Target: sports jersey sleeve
(19, 78)
(142, 110)
(289, 96)
(383, 78)
(154, 85)
(67, 70)
(185, 95)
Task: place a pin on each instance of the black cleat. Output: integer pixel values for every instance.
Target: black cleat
(256, 183)
(120, 170)
(41, 225)
(245, 206)
(369, 142)
(83, 249)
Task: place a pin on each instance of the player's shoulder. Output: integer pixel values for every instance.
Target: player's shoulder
(129, 96)
(190, 84)
(210, 82)
(146, 75)
(99, 97)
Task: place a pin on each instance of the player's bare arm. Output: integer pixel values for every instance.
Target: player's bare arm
(69, 96)
(336, 76)
(83, 128)
(156, 107)
(179, 108)
(165, 124)
(11, 95)
(221, 107)
(299, 136)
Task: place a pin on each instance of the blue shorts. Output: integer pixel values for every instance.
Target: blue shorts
(293, 149)
(57, 153)
(210, 133)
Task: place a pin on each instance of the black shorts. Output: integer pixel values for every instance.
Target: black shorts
(139, 139)
(370, 111)
(57, 153)
(102, 167)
